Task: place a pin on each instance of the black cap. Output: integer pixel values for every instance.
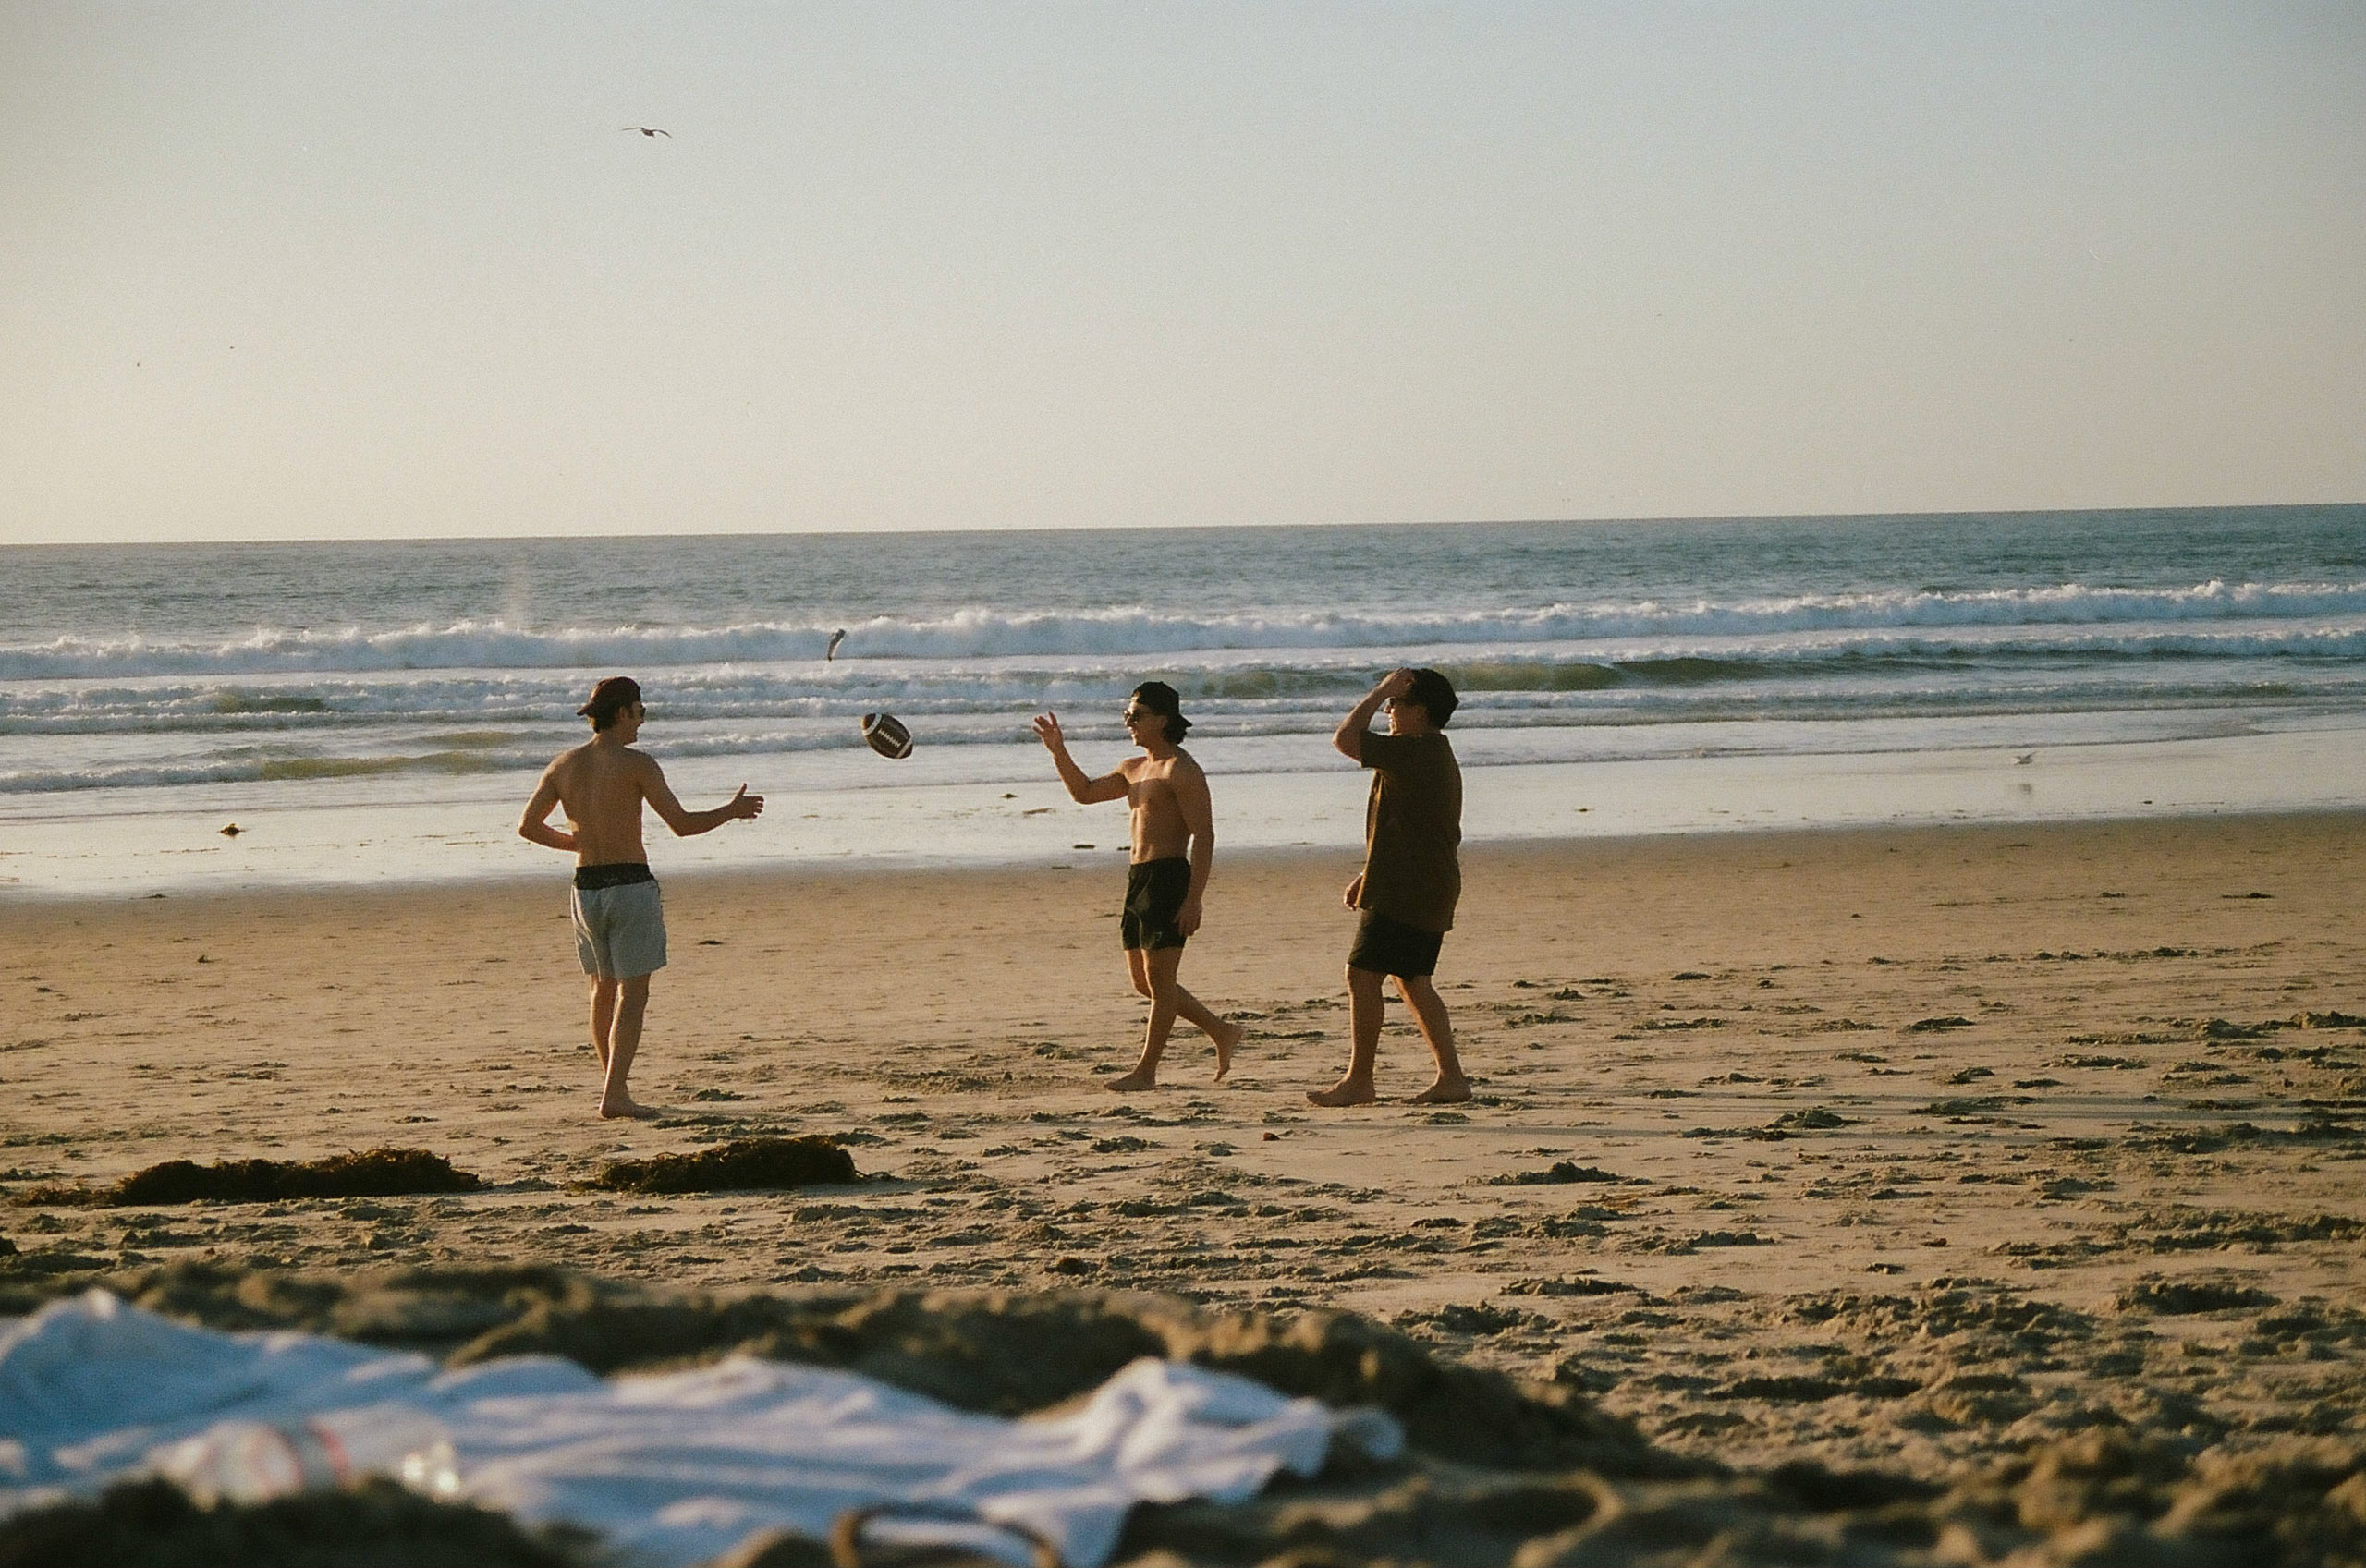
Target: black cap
(1168, 703)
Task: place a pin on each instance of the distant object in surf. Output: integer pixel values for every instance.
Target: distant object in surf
(232, 831)
(832, 651)
(887, 736)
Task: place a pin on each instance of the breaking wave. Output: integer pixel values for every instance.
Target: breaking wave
(2276, 613)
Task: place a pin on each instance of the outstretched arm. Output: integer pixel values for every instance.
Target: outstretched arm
(535, 825)
(687, 823)
(1350, 736)
(1082, 790)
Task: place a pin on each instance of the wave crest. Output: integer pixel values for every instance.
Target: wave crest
(1122, 631)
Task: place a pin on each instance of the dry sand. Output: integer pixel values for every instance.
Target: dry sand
(1910, 1151)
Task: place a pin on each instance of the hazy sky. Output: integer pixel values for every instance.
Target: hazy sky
(342, 270)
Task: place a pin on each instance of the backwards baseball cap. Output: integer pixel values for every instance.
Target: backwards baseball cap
(610, 697)
(1168, 703)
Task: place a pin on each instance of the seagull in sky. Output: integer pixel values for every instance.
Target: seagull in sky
(2025, 759)
(652, 130)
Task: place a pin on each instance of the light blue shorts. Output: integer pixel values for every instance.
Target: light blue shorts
(619, 932)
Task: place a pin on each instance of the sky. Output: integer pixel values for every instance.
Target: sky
(336, 271)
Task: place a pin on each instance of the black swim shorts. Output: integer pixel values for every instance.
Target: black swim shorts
(1385, 947)
(1155, 894)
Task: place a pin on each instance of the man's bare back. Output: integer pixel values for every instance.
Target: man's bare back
(602, 789)
(602, 786)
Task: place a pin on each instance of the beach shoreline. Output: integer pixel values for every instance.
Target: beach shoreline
(1020, 818)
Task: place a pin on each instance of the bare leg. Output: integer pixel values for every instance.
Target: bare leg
(624, 1042)
(1429, 1012)
(1226, 1034)
(1152, 972)
(1365, 1007)
(603, 1017)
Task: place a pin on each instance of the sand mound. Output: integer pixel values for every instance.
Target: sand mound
(377, 1525)
(1499, 1471)
(1006, 1351)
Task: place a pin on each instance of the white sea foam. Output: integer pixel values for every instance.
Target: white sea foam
(1265, 688)
(2279, 612)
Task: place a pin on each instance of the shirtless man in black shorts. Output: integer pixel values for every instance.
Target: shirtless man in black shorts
(1174, 850)
(619, 920)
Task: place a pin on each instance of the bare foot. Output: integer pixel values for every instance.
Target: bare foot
(1230, 1035)
(1140, 1079)
(1445, 1091)
(1347, 1091)
(630, 1108)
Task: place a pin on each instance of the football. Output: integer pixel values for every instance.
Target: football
(887, 735)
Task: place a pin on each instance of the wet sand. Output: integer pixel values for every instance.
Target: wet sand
(1907, 1150)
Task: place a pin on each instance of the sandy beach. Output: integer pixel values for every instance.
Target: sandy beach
(1894, 1150)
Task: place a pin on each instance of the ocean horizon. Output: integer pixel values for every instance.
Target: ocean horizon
(374, 712)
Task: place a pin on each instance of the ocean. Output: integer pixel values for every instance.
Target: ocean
(376, 713)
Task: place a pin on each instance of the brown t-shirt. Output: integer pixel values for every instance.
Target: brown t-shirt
(1412, 830)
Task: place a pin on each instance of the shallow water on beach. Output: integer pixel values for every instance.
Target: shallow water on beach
(373, 712)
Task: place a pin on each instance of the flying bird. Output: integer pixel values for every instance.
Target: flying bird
(2025, 759)
(650, 130)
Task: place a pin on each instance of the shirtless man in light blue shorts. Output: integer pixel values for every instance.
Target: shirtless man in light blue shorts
(619, 921)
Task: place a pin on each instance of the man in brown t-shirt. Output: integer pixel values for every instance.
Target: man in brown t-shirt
(1411, 878)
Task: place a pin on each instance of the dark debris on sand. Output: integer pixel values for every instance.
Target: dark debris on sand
(1499, 1472)
(1559, 1173)
(2177, 1297)
(376, 1172)
(741, 1165)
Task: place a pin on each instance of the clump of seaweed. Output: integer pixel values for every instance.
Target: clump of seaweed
(2176, 1297)
(1559, 1173)
(731, 1167)
(373, 1173)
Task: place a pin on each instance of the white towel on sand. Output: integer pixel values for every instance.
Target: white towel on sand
(671, 1468)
